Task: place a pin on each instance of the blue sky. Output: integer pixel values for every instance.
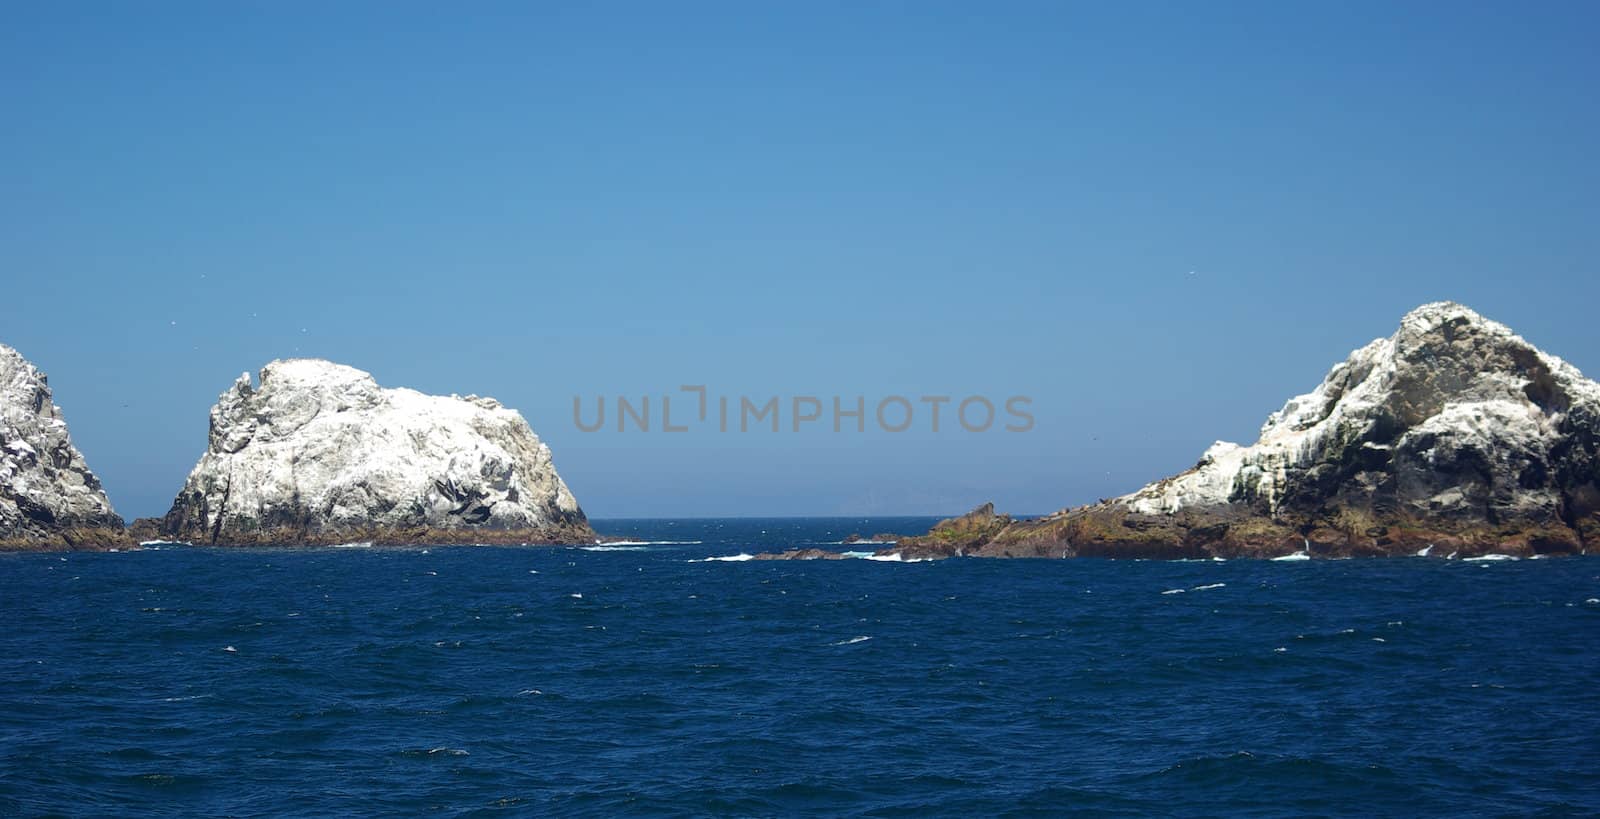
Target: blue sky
(535, 202)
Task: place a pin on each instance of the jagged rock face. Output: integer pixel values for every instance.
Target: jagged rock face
(48, 496)
(1453, 433)
(319, 453)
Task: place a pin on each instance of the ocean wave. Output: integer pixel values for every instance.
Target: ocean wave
(1490, 558)
(644, 543)
(738, 558)
(852, 641)
(1294, 557)
(365, 544)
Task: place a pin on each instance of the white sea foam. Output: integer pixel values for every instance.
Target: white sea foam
(1495, 558)
(738, 558)
(230, 649)
(448, 752)
(616, 547)
(1425, 551)
(1173, 591)
(576, 596)
(851, 641)
(366, 544)
(646, 543)
(1209, 586)
(896, 558)
(1295, 556)
(163, 543)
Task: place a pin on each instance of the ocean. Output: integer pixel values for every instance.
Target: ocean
(645, 679)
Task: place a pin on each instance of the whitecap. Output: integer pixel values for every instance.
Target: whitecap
(1293, 557)
(738, 558)
(1173, 591)
(365, 544)
(1495, 558)
(616, 547)
(230, 649)
(576, 596)
(1209, 586)
(163, 543)
(644, 543)
(896, 558)
(1425, 551)
(852, 641)
(448, 751)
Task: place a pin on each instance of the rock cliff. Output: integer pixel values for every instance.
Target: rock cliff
(1453, 436)
(318, 453)
(48, 497)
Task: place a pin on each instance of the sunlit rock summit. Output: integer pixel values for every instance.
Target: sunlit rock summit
(318, 453)
(48, 496)
(1453, 436)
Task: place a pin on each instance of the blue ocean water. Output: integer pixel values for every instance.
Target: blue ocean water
(646, 680)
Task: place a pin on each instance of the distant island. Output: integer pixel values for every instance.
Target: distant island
(49, 499)
(313, 453)
(1453, 437)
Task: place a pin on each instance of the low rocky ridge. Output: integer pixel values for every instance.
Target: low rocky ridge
(317, 453)
(801, 554)
(1453, 436)
(48, 497)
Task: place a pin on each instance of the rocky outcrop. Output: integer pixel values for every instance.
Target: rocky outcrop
(48, 497)
(881, 537)
(318, 453)
(1453, 436)
(801, 554)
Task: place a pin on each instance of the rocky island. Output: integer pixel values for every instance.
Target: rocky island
(1454, 436)
(48, 497)
(316, 453)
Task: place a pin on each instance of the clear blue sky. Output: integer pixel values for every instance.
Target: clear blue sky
(534, 201)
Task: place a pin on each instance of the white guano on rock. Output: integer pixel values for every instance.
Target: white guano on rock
(317, 452)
